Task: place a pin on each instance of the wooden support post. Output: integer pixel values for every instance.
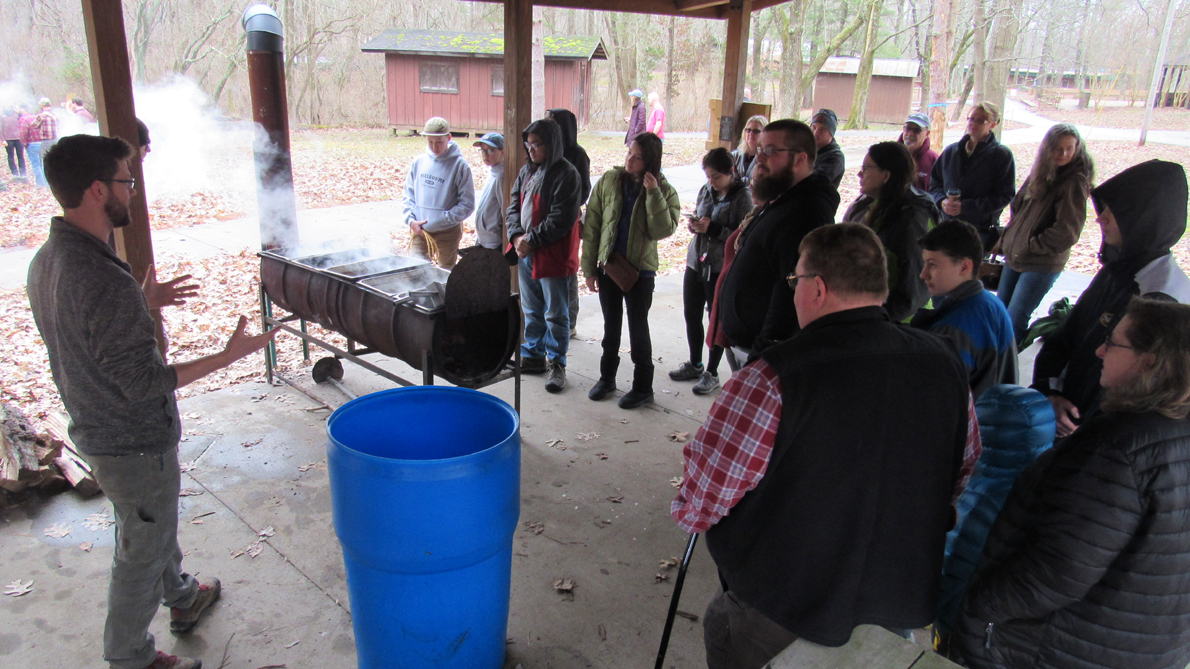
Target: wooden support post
(735, 63)
(112, 80)
(518, 90)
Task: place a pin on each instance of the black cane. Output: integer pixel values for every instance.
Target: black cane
(673, 604)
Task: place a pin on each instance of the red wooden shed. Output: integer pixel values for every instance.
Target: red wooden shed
(890, 93)
(460, 77)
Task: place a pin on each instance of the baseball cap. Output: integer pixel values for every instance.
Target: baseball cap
(492, 139)
(436, 126)
(636, 93)
(920, 120)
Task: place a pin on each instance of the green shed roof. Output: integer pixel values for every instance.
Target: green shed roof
(484, 45)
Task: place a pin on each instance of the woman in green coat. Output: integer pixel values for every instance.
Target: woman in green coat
(630, 209)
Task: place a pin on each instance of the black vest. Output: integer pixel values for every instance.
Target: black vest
(849, 523)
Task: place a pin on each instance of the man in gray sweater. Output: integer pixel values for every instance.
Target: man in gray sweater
(95, 320)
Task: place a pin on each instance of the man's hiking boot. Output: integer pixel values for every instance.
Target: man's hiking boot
(184, 620)
(164, 661)
(557, 378)
(533, 365)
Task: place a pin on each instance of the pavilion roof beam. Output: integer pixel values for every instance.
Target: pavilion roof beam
(716, 10)
(693, 5)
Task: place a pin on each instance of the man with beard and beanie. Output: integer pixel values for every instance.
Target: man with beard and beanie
(1142, 214)
(975, 178)
(916, 137)
(577, 156)
(544, 231)
(829, 162)
(819, 520)
(95, 320)
(755, 302)
(439, 195)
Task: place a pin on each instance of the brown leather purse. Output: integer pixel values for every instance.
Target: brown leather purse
(621, 271)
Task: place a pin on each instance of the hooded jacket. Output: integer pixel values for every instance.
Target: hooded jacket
(1015, 426)
(1042, 230)
(987, 179)
(636, 122)
(1086, 566)
(1149, 204)
(553, 232)
(440, 190)
(898, 232)
(573, 153)
(924, 157)
(654, 217)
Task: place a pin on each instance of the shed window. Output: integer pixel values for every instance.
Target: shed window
(438, 78)
(498, 80)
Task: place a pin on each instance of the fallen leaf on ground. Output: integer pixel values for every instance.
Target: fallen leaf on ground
(58, 530)
(587, 436)
(624, 421)
(189, 492)
(602, 523)
(252, 442)
(97, 522)
(602, 633)
(236, 552)
(676, 482)
(293, 644)
(306, 467)
(192, 415)
(266, 532)
(86, 546)
(616, 499)
(187, 467)
(18, 588)
(688, 616)
(680, 437)
(601, 456)
(535, 528)
(661, 576)
(564, 585)
(255, 549)
(556, 443)
(670, 563)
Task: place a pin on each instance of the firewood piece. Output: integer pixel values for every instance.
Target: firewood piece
(72, 468)
(55, 425)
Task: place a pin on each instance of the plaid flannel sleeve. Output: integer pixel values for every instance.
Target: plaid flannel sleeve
(731, 450)
(971, 451)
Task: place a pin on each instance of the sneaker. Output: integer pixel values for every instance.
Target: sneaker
(573, 333)
(164, 661)
(557, 379)
(533, 365)
(707, 383)
(601, 389)
(184, 620)
(686, 372)
(635, 398)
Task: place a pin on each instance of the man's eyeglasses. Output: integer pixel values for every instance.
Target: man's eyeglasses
(792, 279)
(911, 129)
(1108, 344)
(131, 183)
(770, 150)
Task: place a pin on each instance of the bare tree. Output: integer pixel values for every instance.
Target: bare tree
(858, 117)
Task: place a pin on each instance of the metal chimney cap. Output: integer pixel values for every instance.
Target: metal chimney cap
(261, 18)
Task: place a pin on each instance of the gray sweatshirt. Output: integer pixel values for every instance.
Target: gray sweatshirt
(489, 215)
(439, 190)
(97, 329)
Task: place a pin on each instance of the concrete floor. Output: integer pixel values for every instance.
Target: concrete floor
(289, 605)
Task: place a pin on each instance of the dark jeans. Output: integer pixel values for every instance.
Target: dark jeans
(1021, 292)
(639, 300)
(16, 157)
(737, 636)
(697, 297)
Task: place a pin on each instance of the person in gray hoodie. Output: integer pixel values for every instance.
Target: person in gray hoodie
(439, 194)
(489, 216)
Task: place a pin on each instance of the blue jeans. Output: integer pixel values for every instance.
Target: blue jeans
(546, 303)
(1021, 292)
(34, 151)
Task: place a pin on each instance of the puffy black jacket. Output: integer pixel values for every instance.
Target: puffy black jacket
(1088, 565)
(1149, 204)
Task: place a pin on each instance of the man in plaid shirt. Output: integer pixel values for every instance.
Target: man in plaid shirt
(39, 136)
(825, 474)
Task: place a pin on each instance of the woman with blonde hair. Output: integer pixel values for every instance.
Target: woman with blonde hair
(1087, 564)
(1047, 217)
(656, 123)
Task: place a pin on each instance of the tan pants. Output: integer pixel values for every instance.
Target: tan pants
(448, 246)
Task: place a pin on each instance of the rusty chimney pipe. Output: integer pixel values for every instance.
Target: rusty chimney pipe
(270, 111)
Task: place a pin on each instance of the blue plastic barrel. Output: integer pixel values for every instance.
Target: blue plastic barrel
(425, 483)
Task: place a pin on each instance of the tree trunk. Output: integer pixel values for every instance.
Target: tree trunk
(857, 21)
(923, 49)
(1004, 35)
(858, 117)
(759, 28)
(941, 38)
(979, 58)
(669, 68)
(538, 65)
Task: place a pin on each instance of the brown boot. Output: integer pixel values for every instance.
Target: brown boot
(164, 661)
(184, 620)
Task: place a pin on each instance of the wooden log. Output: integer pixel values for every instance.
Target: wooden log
(73, 469)
(55, 425)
